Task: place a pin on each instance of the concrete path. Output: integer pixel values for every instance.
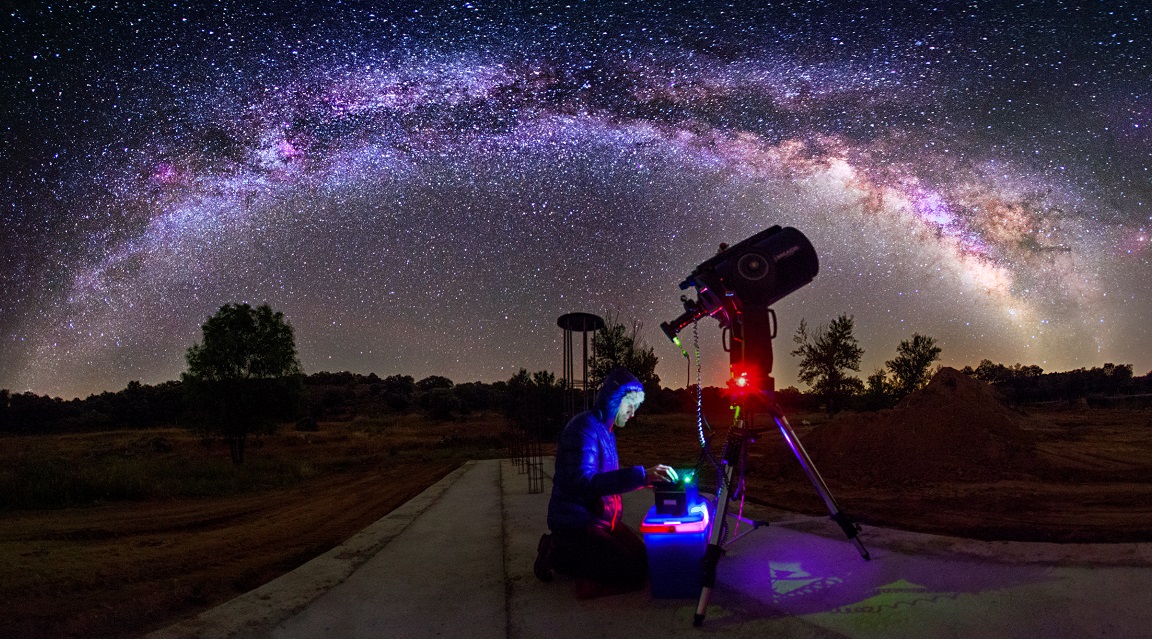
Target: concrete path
(456, 561)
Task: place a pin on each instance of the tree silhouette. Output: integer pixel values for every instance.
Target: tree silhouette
(617, 345)
(910, 366)
(244, 376)
(398, 391)
(825, 357)
(535, 403)
(878, 391)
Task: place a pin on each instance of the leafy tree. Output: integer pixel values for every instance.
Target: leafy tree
(436, 395)
(433, 382)
(5, 414)
(618, 345)
(398, 391)
(440, 403)
(545, 379)
(1118, 373)
(520, 379)
(474, 396)
(404, 385)
(878, 391)
(245, 375)
(910, 366)
(534, 403)
(826, 355)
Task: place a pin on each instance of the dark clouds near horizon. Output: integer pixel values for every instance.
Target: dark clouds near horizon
(423, 189)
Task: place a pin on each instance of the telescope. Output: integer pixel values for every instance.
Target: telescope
(737, 287)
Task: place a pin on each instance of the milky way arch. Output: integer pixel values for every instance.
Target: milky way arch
(424, 190)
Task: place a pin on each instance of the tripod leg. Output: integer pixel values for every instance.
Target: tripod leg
(849, 527)
(719, 523)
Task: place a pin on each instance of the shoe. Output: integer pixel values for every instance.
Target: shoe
(543, 565)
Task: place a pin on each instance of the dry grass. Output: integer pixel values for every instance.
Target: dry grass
(195, 532)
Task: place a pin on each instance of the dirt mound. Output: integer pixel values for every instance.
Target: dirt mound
(956, 428)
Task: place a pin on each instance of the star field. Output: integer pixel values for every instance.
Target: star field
(424, 188)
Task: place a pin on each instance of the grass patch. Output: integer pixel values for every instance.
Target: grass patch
(55, 482)
(70, 470)
(373, 425)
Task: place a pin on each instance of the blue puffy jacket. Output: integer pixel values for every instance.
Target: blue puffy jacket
(588, 482)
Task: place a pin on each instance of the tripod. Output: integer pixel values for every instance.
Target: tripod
(737, 286)
(732, 485)
(750, 352)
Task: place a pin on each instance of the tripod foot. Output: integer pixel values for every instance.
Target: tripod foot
(850, 530)
(698, 620)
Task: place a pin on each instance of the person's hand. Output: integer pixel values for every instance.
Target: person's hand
(660, 473)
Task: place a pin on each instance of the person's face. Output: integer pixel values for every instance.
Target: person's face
(625, 412)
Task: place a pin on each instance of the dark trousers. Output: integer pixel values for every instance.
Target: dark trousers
(615, 557)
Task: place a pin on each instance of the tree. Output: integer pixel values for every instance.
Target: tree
(826, 355)
(617, 345)
(534, 403)
(545, 379)
(398, 391)
(878, 391)
(244, 376)
(440, 402)
(433, 382)
(910, 366)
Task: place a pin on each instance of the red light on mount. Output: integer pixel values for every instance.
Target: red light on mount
(745, 381)
(740, 384)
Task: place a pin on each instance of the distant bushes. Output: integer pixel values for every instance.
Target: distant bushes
(536, 398)
(343, 396)
(138, 406)
(1030, 384)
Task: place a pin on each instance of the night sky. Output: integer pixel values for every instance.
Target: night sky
(423, 189)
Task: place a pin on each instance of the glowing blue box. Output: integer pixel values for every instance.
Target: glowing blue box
(676, 547)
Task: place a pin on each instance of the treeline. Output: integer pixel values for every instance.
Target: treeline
(525, 397)
(138, 406)
(536, 398)
(1029, 383)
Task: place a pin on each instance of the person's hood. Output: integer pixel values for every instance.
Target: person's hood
(617, 384)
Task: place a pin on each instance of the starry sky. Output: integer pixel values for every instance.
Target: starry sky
(424, 188)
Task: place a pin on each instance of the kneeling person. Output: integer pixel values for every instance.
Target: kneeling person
(588, 541)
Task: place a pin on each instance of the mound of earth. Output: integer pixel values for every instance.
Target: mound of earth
(955, 428)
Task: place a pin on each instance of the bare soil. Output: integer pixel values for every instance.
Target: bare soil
(952, 459)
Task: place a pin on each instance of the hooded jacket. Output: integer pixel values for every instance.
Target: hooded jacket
(588, 482)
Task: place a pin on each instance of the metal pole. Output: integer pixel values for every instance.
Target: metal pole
(732, 450)
(584, 381)
(849, 528)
